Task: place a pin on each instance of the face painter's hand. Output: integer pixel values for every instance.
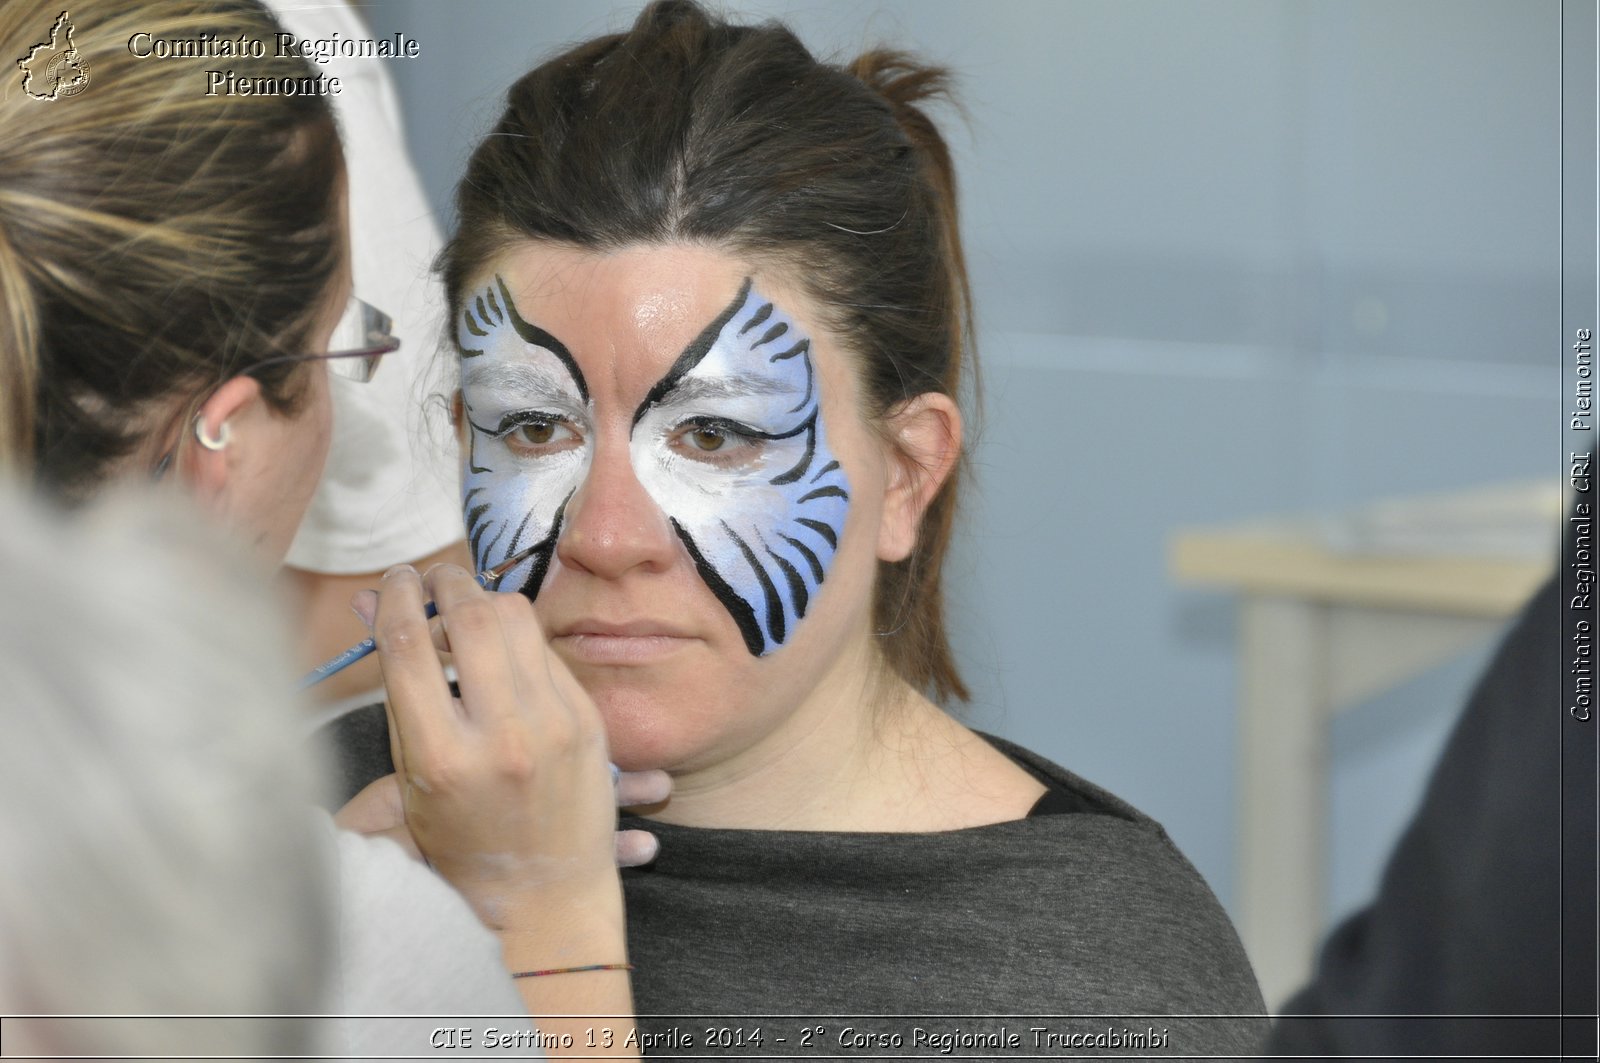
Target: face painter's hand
(379, 811)
(507, 789)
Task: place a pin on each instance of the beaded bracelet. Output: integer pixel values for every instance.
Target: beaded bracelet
(574, 970)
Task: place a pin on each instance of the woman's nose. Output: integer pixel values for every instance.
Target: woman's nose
(612, 525)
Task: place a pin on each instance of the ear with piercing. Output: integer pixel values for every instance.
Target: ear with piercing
(210, 442)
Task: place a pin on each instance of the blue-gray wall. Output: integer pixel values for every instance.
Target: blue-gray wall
(1232, 257)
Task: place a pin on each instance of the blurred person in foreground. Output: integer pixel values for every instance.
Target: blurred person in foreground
(176, 288)
(153, 792)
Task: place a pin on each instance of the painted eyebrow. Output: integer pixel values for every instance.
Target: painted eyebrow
(698, 389)
(516, 377)
(535, 336)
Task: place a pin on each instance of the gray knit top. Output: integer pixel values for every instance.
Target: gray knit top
(976, 943)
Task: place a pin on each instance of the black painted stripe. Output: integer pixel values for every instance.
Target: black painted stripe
(805, 552)
(472, 453)
(516, 537)
(830, 491)
(541, 560)
(737, 607)
(797, 407)
(757, 318)
(472, 325)
(797, 586)
(775, 624)
(799, 348)
(694, 353)
(537, 337)
(476, 527)
(488, 547)
(498, 314)
(805, 462)
(772, 333)
(530, 586)
(824, 530)
(825, 470)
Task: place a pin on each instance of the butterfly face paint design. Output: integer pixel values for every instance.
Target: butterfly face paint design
(762, 510)
(730, 444)
(529, 412)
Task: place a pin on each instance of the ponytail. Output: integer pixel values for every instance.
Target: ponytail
(907, 84)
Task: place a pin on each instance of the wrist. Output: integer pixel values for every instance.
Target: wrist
(554, 935)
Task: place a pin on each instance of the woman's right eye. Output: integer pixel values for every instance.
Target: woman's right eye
(537, 433)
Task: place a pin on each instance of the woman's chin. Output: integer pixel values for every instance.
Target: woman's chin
(676, 728)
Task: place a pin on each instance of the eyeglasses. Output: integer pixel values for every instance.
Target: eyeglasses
(363, 336)
(359, 341)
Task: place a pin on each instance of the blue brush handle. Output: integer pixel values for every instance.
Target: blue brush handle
(358, 651)
(366, 646)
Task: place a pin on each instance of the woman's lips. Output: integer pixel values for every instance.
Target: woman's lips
(635, 642)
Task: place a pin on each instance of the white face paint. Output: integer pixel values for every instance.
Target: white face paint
(762, 512)
(529, 418)
(729, 444)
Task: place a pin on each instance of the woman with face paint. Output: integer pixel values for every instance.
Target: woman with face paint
(713, 322)
(174, 290)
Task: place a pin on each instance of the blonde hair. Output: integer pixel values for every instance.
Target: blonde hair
(153, 239)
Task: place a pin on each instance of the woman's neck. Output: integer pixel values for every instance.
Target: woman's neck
(865, 752)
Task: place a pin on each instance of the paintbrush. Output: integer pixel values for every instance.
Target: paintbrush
(367, 645)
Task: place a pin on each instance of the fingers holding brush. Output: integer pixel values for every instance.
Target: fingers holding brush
(506, 788)
(419, 703)
(518, 703)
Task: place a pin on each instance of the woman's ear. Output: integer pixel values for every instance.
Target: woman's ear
(924, 445)
(217, 433)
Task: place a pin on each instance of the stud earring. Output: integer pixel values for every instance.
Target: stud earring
(216, 442)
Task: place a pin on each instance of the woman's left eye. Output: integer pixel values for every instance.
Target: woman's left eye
(706, 438)
(718, 442)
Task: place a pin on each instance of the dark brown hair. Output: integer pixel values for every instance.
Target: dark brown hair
(689, 129)
(154, 240)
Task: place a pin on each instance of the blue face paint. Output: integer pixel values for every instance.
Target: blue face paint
(528, 411)
(761, 511)
(730, 444)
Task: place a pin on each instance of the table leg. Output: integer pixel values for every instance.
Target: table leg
(1282, 787)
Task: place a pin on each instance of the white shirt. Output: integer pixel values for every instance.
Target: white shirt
(390, 491)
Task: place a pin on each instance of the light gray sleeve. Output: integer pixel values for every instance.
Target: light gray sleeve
(409, 945)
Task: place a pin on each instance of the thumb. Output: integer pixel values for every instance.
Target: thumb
(379, 807)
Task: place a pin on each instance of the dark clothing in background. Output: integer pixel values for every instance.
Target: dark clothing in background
(359, 744)
(1469, 916)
